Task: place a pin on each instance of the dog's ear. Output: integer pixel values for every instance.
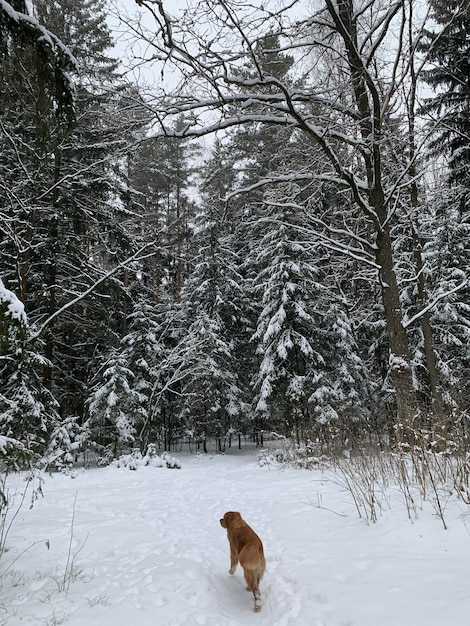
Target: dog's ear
(229, 517)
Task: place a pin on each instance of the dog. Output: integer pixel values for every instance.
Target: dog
(246, 548)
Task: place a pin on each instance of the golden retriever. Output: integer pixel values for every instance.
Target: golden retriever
(246, 548)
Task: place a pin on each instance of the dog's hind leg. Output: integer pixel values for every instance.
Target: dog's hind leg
(253, 579)
(257, 597)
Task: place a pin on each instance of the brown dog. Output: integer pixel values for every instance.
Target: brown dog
(245, 547)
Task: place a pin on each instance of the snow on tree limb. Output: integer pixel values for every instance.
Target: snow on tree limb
(14, 307)
(139, 255)
(431, 305)
(30, 23)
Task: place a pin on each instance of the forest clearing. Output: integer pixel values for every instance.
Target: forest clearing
(111, 546)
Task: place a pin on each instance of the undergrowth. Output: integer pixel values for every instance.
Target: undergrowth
(422, 469)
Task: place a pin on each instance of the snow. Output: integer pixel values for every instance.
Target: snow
(15, 308)
(43, 33)
(146, 548)
(397, 362)
(6, 443)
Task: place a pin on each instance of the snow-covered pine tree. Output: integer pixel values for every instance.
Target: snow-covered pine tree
(355, 397)
(214, 310)
(447, 47)
(30, 425)
(144, 350)
(294, 337)
(447, 254)
(15, 397)
(276, 219)
(113, 408)
(36, 111)
(212, 401)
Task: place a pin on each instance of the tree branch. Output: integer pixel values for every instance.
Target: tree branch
(135, 257)
(432, 304)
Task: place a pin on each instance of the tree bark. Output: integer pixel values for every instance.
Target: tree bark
(369, 106)
(400, 362)
(437, 409)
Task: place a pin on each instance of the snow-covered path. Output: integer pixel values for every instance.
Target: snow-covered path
(147, 548)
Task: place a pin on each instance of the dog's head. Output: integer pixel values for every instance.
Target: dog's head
(228, 518)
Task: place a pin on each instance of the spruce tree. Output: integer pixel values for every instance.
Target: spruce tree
(144, 351)
(293, 335)
(113, 408)
(447, 254)
(213, 311)
(36, 112)
(31, 429)
(448, 53)
(82, 210)
(447, 47)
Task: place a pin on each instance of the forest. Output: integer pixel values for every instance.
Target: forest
(268, 235)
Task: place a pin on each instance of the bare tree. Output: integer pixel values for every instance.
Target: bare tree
(355, 58)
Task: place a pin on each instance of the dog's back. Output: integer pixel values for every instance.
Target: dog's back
(247, 549)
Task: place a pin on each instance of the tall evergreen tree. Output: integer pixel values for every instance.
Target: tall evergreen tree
(447, 254)
(31, 429)
(300, 333)
(36, 111)
(448, 52)
(79, 231)
(214, 310)
(161, 171)
(447, 47)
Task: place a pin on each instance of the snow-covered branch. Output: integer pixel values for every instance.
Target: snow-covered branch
(139, 255)
(431, 305)
(30, 23)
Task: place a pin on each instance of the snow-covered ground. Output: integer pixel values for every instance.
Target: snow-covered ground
(114, 547)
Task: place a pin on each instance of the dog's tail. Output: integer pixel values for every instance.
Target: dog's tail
(253, 577)
(253, 563)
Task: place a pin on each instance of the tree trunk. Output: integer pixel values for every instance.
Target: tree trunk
(425, 320)
(51, 277)
(367, 97)
(437, 408)
(407, 405)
